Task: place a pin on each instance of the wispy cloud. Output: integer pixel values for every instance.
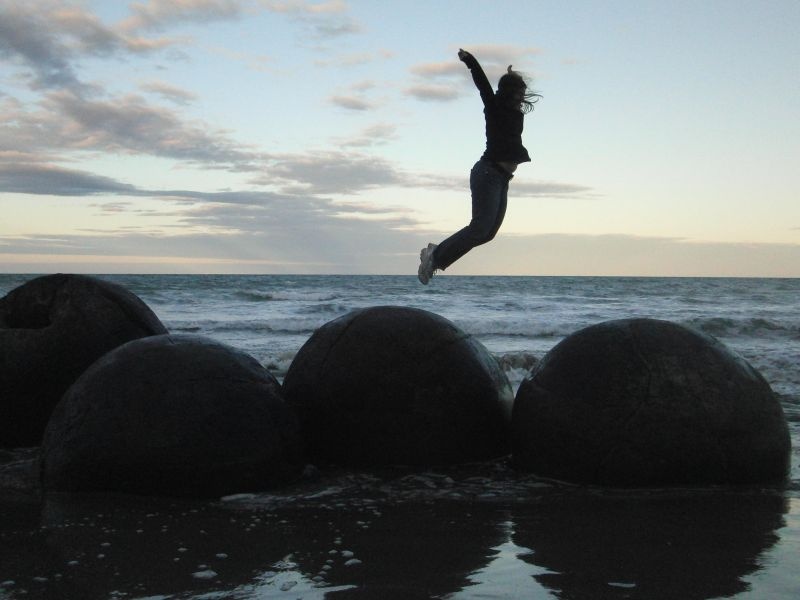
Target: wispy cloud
(329, 172)
(256, 62)
(552, 189)
(23, 39)
(438, 81)
(323, 19)
(356, 97)
(52, 180)
(266, 228)
(169, 92)
(127, 124)
(349, 60)
(158, 14)
(304, 7)
(351, 102)
(437, 93)
(48, 37)
(452, 68)
(372, 135)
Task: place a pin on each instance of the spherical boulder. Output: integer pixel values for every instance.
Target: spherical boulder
(645, 402)
(390, 385)
(51, 329)
(178, 415)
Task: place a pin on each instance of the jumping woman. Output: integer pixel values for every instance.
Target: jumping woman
(488, 180)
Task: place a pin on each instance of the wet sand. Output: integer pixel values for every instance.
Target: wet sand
(459, 532)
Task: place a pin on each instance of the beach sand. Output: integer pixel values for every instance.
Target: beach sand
(458, 532)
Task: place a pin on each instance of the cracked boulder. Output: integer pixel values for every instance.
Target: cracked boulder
(52, 329)
(389, 385)
(644, 402)
(175, 415)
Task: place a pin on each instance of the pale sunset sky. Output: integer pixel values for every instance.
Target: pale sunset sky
(300, 136)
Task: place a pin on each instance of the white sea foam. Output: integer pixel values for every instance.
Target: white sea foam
(206, 574)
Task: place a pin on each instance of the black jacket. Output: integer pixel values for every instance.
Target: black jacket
(503, 123)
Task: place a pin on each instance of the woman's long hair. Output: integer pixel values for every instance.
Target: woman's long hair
(510, 83)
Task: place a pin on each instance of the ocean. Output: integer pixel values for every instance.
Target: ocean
(462, 532)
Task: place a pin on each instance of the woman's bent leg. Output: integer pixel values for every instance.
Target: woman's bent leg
(489, 189)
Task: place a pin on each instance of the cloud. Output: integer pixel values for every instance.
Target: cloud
(373, 135)
(329, 30)
(86, 34)
(304, 7)
(355, 97)
(24, 36)
(323, 19)
(346, 172)
(256, 62)
(438, 82)
(130, 124)
(363, 86)
(292, 232)
(550, 189)
(349, 60)
(351, 102)
(296, 233)
(169, 92)
(312, 174)
(158, 14)
(330, 172)
(436, 93)
(49, 179)
(64, 121)
(453, 68)
(48, 37)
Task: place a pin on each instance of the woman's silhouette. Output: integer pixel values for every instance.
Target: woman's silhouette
(488, 181)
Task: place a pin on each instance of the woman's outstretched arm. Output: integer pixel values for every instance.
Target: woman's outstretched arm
(478, 76)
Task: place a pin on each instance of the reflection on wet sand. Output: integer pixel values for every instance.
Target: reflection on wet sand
(90, 545)
(649, 545)
(399, 535)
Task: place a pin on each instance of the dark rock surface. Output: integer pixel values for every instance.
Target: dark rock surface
(177, 415)
(52, 329)
(640, 402)
(392, 385)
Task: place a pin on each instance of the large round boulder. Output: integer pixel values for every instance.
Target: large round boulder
(389, 385)
(51, 329)
(178, 415)
(644, 402)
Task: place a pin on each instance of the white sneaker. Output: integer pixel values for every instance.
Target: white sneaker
(426, 269)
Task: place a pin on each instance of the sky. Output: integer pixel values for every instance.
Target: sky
(299, 136)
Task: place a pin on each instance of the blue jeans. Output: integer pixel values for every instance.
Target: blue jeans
(489, 186)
